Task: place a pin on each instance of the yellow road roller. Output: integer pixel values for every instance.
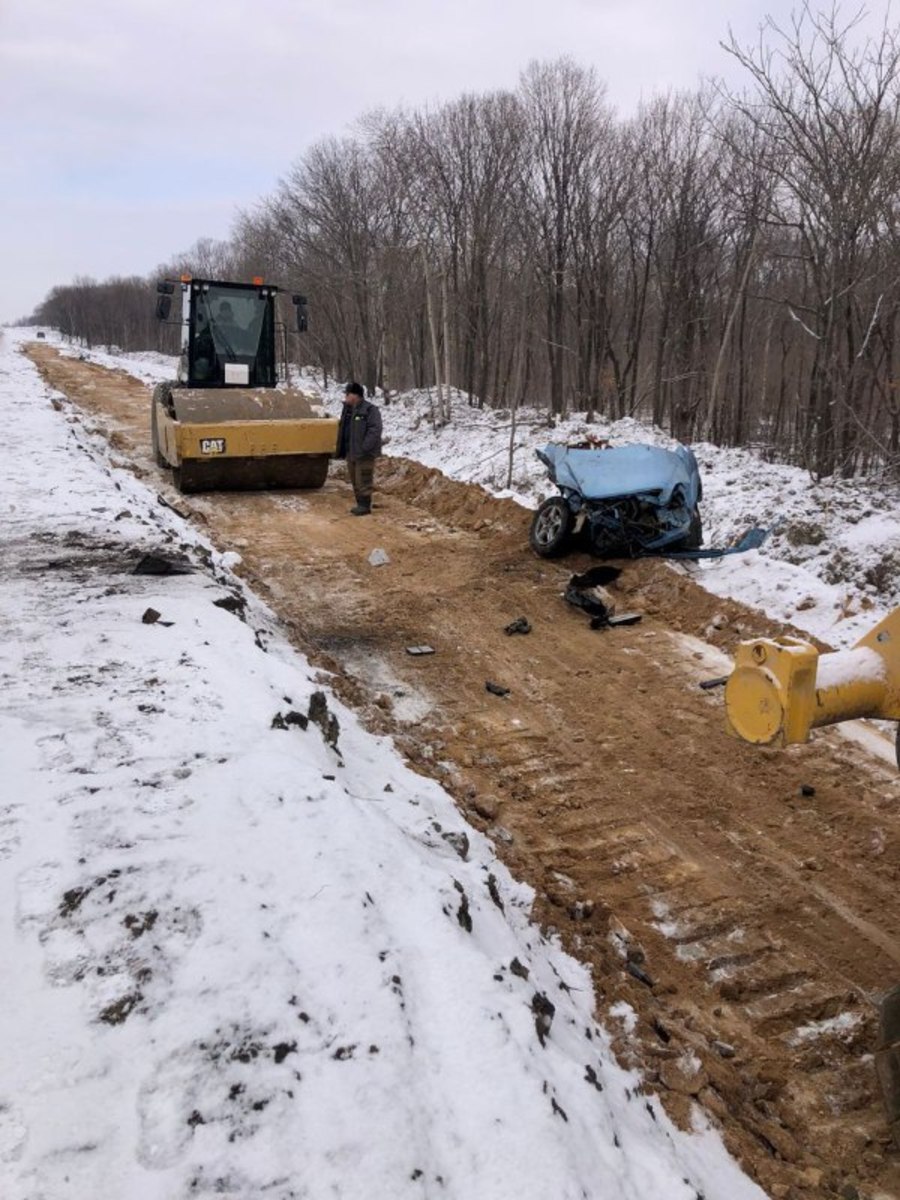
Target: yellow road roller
(224, 422)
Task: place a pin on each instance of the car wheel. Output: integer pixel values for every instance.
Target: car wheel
(550, 527)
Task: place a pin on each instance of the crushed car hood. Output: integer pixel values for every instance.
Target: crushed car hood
(623, 471)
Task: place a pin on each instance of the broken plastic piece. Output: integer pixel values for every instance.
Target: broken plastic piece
(519, 625)
(626, 618)
(751, 540)
(596, 577)
(638, 973)
(590, 601)
(719, 681)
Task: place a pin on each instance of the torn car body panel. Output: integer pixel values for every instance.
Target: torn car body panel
(648, 472)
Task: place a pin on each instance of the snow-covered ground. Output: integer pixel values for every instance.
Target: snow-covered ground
(247, 952)
(831, 565)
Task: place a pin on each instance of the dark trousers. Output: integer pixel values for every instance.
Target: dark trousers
(362, 477)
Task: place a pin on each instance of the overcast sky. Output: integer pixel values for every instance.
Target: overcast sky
(131, 128)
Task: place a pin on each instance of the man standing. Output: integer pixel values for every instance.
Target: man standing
(359, 442)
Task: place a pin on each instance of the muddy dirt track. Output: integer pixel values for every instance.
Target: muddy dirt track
(734, 897)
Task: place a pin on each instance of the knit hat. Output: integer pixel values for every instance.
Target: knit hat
(354, 389)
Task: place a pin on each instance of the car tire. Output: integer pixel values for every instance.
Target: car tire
(550, 527)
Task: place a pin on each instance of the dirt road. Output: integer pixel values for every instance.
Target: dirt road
(733, 897)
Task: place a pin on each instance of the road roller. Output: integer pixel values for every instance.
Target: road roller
(227, 421)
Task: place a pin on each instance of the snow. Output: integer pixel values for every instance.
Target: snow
(844, 667)
(843, 1023)
(623, 1012)
(240, 960)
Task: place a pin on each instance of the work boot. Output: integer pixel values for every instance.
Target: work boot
(361, 508)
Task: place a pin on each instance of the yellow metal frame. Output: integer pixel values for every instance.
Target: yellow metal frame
(180, 442)
(780, 689)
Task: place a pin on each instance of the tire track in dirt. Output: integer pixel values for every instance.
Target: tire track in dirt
(732, 912)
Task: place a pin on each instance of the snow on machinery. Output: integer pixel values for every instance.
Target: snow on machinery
(782, 688)
(224, 422)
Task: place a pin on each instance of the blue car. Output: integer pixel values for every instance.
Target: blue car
(623, 500)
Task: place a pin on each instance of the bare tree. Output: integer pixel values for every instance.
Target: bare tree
(828, 105)
(562, 104)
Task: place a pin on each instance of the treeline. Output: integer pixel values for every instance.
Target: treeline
(120, 312)
(727, 265)
(116, 313)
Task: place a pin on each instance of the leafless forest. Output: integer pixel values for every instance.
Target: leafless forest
(724, 263)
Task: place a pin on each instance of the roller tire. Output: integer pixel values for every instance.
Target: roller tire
(317, 471)
(189, 479)
(887, 1058)
(161, 393)
(239, 474)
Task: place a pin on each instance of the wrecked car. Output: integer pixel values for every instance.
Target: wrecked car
(624, 501)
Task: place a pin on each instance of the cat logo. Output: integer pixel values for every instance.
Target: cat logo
(212, 445)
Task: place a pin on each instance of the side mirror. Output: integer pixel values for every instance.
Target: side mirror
(302, 314)
(164, 299)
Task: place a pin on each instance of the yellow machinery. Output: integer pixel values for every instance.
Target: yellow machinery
(782, 688)
(224, 422)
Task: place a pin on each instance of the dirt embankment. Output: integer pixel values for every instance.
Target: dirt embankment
(738, 899)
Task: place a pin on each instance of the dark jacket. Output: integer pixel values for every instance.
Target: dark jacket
(359, 433)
